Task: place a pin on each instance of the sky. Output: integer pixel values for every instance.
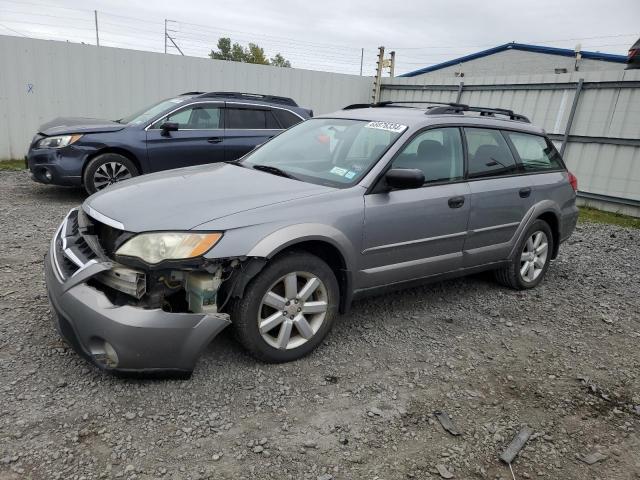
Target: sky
(330, 34)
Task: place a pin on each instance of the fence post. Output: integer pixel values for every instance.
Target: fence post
(572, 114)
(460, 87)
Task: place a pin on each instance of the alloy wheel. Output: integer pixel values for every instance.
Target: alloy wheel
(534, 256)
(293, 310)
(109, 173)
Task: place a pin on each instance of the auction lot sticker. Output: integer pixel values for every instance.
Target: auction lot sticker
(389, 127)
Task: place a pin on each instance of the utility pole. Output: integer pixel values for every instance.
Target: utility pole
(95, 16)
(392, 63)
(361, 60)
(375, 97)
(169, 37)
(175, 45)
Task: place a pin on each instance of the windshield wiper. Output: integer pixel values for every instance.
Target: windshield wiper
(274, 171)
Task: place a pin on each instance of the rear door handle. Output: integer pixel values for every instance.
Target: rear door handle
(214, 140)
(525, 192)
(456, 202)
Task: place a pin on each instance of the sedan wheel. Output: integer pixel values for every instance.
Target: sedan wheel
(293, 310)
(534, 256)
(110, 173)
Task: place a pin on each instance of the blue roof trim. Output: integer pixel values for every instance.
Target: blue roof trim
(565, 52)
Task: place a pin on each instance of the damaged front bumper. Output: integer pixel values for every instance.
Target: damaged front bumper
(123, 338)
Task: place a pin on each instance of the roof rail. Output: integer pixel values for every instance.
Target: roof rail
(397, 103)
(190, 93)
(483, 111)
(252, 96)
(445, 108)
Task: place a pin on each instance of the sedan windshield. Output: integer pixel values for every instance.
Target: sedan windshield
(148, 113)
(328, 151)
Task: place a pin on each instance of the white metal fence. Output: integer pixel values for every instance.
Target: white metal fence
(42, 79)
(602, 134)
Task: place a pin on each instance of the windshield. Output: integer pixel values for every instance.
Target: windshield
(148, 113)
(329, 151)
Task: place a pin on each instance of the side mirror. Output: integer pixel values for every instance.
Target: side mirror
(167, 127)
(403, 178)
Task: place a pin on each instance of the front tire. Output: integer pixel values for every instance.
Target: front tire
(531, 261)
(107, 169)
(287, 309)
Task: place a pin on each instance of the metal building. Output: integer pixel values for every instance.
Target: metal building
(523, 59)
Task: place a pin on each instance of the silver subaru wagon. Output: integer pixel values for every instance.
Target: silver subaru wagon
(147, 272)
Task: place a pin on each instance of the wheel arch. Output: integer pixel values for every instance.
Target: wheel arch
(552, 219)
(118, 150)
(323, 241)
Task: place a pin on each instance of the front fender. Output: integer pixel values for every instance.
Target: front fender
(287, 236)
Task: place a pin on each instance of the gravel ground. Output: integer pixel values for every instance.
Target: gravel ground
(563, 360)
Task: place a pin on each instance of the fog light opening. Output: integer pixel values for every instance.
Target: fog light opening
(104, 353)
(47, 175)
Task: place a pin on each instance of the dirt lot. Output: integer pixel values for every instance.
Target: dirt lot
(563, 359)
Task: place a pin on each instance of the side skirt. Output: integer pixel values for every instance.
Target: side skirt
(372, 291)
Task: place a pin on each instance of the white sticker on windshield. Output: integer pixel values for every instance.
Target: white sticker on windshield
(338, 171)
(390, 127)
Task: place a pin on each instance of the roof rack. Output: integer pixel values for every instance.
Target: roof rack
(190, 93)
(456, 108)
(397, 103)
(444, 108)
(252, 96)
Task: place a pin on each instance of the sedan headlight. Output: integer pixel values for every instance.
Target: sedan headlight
(156, 247)
(58, 141)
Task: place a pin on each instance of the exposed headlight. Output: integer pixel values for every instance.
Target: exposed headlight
(58, 141)
(156, 247)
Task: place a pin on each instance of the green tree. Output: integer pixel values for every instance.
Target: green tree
(254, 53)
(279, 61)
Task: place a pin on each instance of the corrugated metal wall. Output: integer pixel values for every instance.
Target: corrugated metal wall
(604, 142)
(41, 80)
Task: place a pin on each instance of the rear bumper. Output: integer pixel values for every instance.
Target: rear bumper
(124, 338)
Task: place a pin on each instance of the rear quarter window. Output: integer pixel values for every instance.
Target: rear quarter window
(536, 153)
(286, 118)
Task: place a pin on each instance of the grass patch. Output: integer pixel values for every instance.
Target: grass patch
(599, 216)
(11, 164)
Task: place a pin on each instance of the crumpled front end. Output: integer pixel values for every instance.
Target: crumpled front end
(125, 318)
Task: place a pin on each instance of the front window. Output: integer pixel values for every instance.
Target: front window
(329, 151)
(194, 117)
(148, 113)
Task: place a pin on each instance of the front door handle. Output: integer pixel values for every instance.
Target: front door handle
(456, 202)
(525, 192)
(214, 140)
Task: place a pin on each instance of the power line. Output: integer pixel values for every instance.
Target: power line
(14, 31)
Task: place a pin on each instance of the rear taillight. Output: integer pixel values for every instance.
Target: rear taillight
(632, 53)
(573, 180)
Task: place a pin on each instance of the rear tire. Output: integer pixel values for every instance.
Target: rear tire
(287, 309)
(107, 169)
(531, 260)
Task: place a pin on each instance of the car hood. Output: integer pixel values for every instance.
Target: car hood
(67, 125)
(184, 198)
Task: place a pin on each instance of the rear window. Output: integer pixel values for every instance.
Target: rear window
(536, 153)
(488, 153)
(250, 119)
